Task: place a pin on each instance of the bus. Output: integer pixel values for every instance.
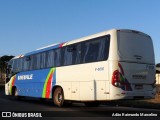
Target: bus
(112, 65)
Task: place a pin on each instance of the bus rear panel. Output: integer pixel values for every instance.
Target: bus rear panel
(133, 76)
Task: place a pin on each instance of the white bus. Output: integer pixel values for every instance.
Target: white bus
(111, 65)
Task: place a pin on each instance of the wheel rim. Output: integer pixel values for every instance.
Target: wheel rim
(60, 97)
(16, 92)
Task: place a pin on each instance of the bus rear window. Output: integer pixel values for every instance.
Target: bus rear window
(133, 46)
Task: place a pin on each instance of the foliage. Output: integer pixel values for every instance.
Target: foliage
(158, 65)
(3, 62)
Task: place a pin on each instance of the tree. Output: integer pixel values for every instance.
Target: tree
(158, 68)
(158, 65)
(3, 64)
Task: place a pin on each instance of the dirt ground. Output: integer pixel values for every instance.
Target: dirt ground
(150, 103)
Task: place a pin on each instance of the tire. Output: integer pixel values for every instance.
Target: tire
(58, 97)
(14, 92)
(92, 104)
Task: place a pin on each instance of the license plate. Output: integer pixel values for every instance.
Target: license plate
(138, 86)
(139, 77)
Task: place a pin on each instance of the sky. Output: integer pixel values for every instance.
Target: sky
(26, 25)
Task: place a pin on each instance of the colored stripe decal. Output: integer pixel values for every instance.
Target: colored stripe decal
(120, 66)
(61, 45)
(48, 84)
(12, 83)
(126, 85)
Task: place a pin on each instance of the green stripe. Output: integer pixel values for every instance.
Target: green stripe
(12, 79)
(121, 78)
(45, 84)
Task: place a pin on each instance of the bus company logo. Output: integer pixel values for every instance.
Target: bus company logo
(22, 115)
(6, 114)
(25, 77)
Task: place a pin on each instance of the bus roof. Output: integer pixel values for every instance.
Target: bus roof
(18, 56)
(50, 47)
(54, 46)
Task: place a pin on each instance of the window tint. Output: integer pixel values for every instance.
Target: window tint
(57, 57)
(72, 54)
(77, 54)
(15, 66)
(43, 59)
(88, 51)
(26, 63)
(31, 67)
(20, 64)
(50, 59)
(38, 61)
(95, 50)
(103, 50)
(34, 62)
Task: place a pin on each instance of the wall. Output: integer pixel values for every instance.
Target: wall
(158, 78)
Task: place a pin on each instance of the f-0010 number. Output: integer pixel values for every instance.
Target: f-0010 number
(99, 69)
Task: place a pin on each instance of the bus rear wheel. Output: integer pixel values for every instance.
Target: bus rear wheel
(58, 97)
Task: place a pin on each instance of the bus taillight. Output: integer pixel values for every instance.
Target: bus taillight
(119, 81)
(116, 79)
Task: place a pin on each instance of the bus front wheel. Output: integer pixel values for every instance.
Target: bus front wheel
(14, 92)
(58, 97)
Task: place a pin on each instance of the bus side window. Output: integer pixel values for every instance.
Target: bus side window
(68, 51)
(50, 59)
(34, 62)
(77, 54)
(38, 61)
(90, 51)
(57, 57)
(103, 50)
(43, 60)
(26, 63)
(95, 50)
(31, 63)
(72, 54)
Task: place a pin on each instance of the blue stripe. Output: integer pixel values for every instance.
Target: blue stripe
(33, 87)
(42, 50)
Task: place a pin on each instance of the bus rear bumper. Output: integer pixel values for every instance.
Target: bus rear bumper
(136, 95)
(140, 95)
